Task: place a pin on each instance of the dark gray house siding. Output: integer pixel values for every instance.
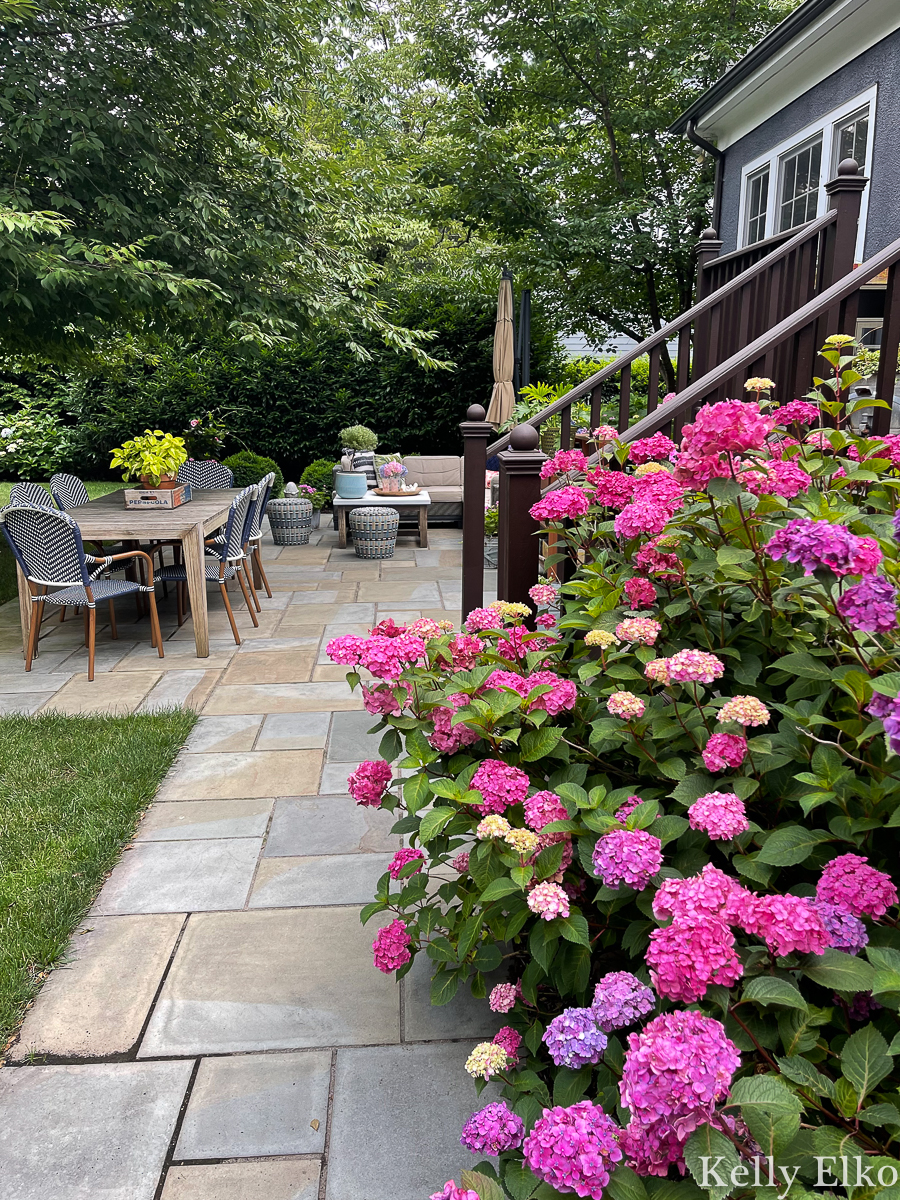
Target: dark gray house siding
(880, 65)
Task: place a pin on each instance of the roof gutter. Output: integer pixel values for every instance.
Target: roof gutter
(783, 33)
(719, 155)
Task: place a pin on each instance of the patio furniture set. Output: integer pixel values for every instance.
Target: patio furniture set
(216, 537)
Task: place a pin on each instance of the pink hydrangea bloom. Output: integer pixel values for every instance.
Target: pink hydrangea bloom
(345, 650)
(687, 956)
(545, 620)
(561, 698)
(562, 504)
(493, 1130)
(626, 705)
(651, 449)
(746, 710)
(658, 670)
(452, 1192)
(553, 839)
(786, 923)
(506, 679)
(544, 594)
(656, 561)
(447, 737)
(481, 620)
(515, 643)
(643, 630)
(660, 488)
(645, 517)
(676, 1069)
(605, 433)
(629, 856)
(778, 477)
(721, 814)
(548, 900)
(368, 783)
(510, 1040)
(388, 628)
(574, 1149)
(798, 412)
(612, 489)
(712, 893)
(729, 427)
(460, 864)
(391, 947)
(849, 883)
(502, 997)
(425, 628)
(695, 666)
(465, 651)
(562, 462)
(380, 700)
(387, 657)
(542, 808)
(500, 785)
(402, 858)
(724, 751)
(640, 592)
(888, 446)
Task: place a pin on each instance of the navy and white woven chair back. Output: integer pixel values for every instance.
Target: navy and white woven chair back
(47, 545)
(200, 473)
(259, 508)
(68, 491)
(29, 493)
(237, 525)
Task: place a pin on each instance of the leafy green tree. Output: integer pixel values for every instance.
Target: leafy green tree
(158, 172)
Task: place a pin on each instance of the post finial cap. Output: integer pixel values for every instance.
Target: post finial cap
(523, 437)
(709, 235)
(848, 166)
(475, 413)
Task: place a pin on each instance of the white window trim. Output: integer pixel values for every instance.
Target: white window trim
(824, 126)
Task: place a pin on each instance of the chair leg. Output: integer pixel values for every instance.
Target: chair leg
(92, 638)
(113, 631)
(179, 601)
(155, 631)
(240, 579)
(257, 558)
(87, 624)
(249, 579)
(37, 611)
(62, 613)
(234, 628)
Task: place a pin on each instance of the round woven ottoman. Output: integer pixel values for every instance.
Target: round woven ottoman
(374, 531)
(290, 520)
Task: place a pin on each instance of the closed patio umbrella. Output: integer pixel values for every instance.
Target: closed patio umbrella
(503, 396)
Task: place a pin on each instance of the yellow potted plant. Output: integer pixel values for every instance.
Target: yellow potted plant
(154, 459)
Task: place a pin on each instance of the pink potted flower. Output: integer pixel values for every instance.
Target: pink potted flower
(391, 474)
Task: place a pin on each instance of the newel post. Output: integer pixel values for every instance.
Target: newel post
(476, 432)
(520, 488)
(708, 248)
(845, 196)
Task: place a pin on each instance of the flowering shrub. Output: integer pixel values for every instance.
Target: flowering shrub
(665, 845)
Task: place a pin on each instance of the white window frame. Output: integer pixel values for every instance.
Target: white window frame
(824, 127)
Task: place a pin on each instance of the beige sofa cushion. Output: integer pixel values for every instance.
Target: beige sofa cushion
(445, 495)
(435, 471)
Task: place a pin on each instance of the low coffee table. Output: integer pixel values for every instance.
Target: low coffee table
(421, 501)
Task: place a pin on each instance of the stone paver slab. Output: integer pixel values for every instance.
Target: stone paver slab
(189, 820)
(256, 1105)
(350, 741)
(192, 876)
(328, 825)
(282, 697)
(85, 1132)
(173, 690)
(270, 666)
(322, 673)
(16, 680)
(96, 1005)
(212, 735)
(25, 702)
(237, 775)
(294, 731)
(306, 882)
(384, 1090)
(283, 1180)
(110, 692)
(278, 643)
(463, 1017)
(404, 594)
(273, 979)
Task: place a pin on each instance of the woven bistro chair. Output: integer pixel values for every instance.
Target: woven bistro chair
(226, 560)
(29, 493)
(205, 473)
(254, 534)
(68, 491)
(48, 548)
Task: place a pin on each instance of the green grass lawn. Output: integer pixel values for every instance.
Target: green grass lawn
(71, 791)
(7, 562)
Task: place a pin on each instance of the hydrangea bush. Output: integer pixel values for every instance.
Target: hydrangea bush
(653, 821)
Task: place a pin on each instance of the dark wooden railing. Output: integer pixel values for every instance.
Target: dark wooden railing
(768, 319)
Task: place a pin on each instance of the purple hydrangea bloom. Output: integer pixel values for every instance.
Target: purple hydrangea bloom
(846, 931)
(620, 999)
(629, 856)
(887, 710)
(870, 605)
(817, 544)
(574, 1038)
(493, 1130)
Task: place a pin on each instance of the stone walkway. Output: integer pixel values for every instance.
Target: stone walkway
(219, 1031)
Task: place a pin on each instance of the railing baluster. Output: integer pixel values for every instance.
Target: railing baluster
(565, 429)
(890, 346)
(624, 397)
(653, 379)
(684, 358)
(596, 405)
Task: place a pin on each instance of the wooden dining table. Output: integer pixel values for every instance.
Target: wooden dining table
(106, 519)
